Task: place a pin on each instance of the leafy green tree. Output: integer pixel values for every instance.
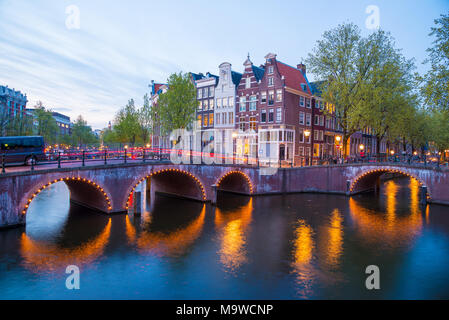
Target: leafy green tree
(440, 130)
(386, 98)
(82, 133)
(343, 61)
(126, 124)
(145, 115)
(20, 125)
(436, 81)
(46, 124)
(177, 106)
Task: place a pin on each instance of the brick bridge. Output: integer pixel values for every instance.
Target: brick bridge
(108, 188)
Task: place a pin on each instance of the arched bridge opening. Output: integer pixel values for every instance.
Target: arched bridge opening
(370, 180)
(235, 182)
(172, 182)
(83, 191)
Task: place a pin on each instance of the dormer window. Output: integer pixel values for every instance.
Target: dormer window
(247, 83)
(304, 87)
(270, 69)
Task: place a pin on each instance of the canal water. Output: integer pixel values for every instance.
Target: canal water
(298, 246)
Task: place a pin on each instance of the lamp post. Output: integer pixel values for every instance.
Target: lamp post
(307, 135)
(234, 145)
(126, 151)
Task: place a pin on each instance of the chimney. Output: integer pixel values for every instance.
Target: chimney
(301, 67)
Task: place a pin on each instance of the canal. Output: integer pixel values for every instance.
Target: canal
(297, 246)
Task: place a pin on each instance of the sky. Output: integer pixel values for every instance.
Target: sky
(91, 57)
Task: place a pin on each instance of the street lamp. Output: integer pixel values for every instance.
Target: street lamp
(361, 147)
(307, 134)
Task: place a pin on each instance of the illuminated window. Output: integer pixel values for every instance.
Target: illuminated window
(211, 119)
(279, 95)
(252, 123)
(205, 120)
(231, 101)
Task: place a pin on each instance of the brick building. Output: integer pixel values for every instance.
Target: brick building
(12, 101)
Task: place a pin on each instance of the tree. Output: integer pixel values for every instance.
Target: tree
(20, 125)
(386, 98)
(177, 106)
(436, 81)
(46, 124)
(82, 133)
(440, 129)
(343, 61)
(126, 124)
(144, 117)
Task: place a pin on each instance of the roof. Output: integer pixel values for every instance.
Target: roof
(196, 76)
(258, 72)
(156, 87)
(317, 88)
(293, 77)
(236, 77)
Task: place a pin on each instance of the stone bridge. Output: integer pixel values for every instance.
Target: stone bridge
(109, 188)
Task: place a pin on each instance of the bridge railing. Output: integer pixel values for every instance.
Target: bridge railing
(89, 157)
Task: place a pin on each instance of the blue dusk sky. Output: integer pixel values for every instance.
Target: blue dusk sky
(118, 47)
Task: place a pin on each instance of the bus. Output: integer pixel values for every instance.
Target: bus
(22, 150)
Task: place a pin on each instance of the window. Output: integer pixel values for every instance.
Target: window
(270, 69)
(231, 101)
(263, 116)
(247, 83)
(231, 117)
(308, 151)
(316, 135)
(218, 103)
(205, 105)
(321, 120)
(242, 104)
(252, 123)
(200, 93)
(225, 102)
(301, 101)
(204, 92)
(317, 120)
(205, 120)
(278, 115)
(224, 117)
(307, 103)
(317, 104)
(200, 105)
(211, 120)
(270, 81)
(301, 118)
(304, 87)
(270, 97)
(211, 91)
(270, 115)
(308, 119)
(217, 118)
(199, 120)
(301, 135)
(279, 95)
(211, 104)
(252, 103)
(301, 151)
(263, 97)
(242, 124)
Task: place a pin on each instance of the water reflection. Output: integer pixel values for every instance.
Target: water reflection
(392, 229)
(232, 228)
(334, 241)
(48, 257)
(163, 233)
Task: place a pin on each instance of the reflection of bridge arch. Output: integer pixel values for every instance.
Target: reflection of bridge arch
(167, 244)
(200, 193)
(235, 181)
(369, 178)
(48, 257)
(82, 190)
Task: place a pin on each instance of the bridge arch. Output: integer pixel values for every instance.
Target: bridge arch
(368, 178)
(235, 181)
(82, 190)
(175, 175)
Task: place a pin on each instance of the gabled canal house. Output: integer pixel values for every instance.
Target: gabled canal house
(205, 86)
(247, 113)
(285, 126)
(224, 113)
